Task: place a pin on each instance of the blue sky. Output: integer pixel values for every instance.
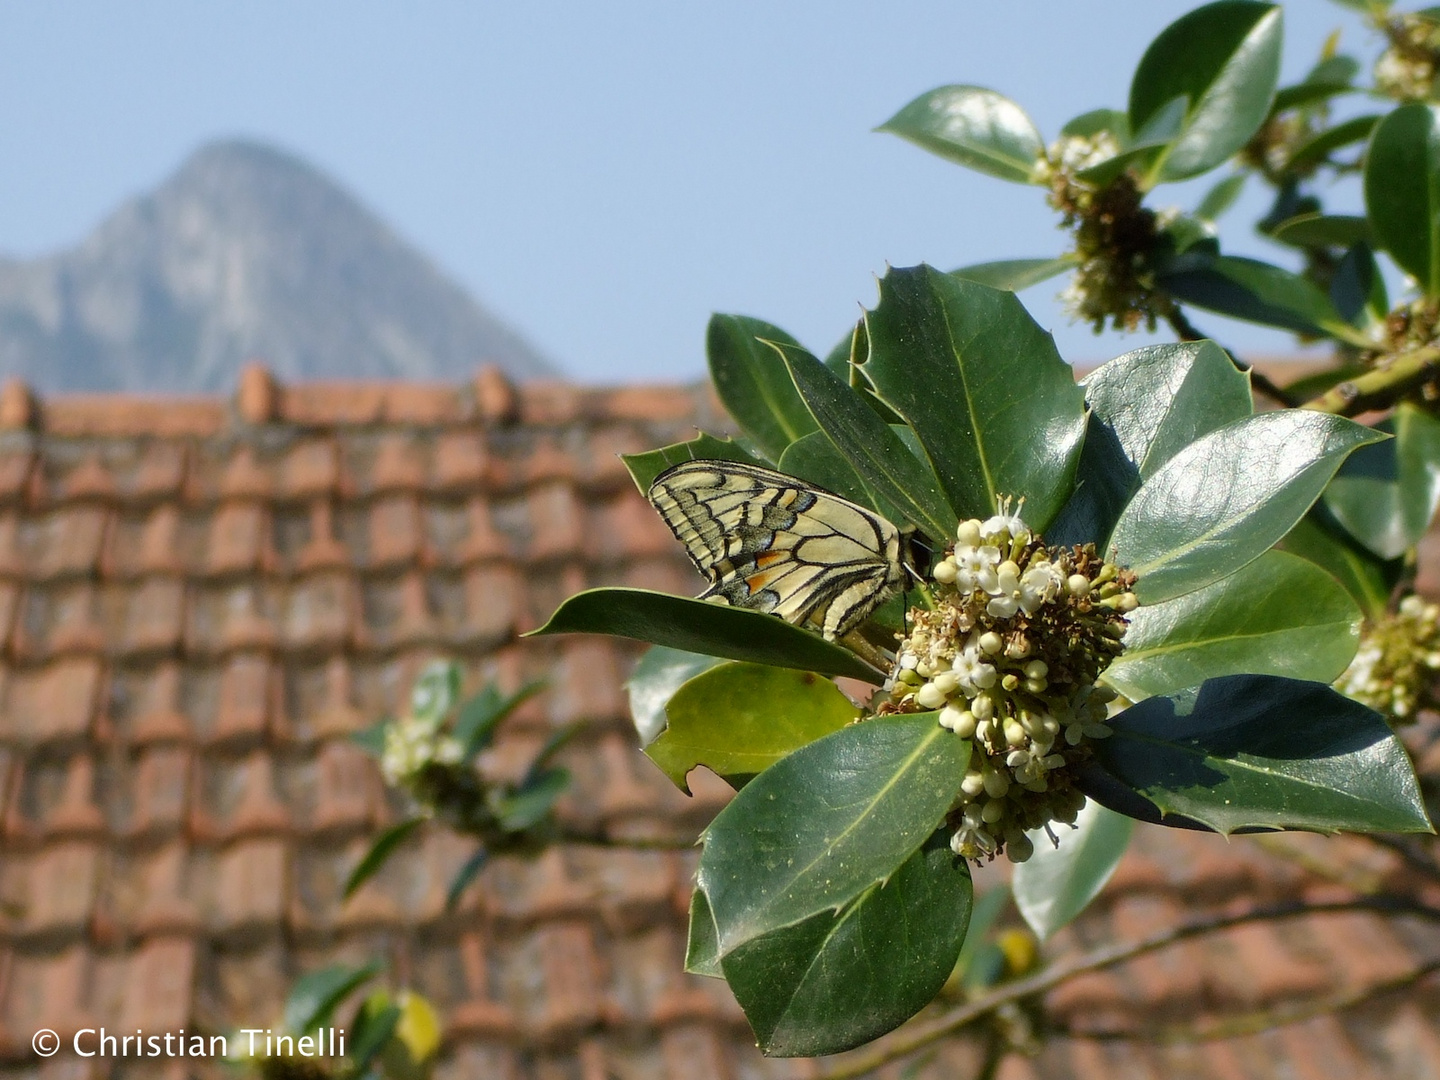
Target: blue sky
(601, 176)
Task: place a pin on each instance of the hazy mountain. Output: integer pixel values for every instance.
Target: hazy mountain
(244, 253)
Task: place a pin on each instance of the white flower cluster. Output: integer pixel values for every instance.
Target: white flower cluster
(1008, 655)
(1398, 662)
(1072, 153)
(412, 743)
(1406, 70)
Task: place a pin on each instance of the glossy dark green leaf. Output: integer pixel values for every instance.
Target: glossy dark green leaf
(880, 459)
(1251, 290)
(1015, 275)
(1357, 289)
(1318, 148)
(645, 467)
(482, 714)
(1385, 495)
(1220, 197)
(1367, 578)
(657, 675)
(1159, 399)
(1402, 190)
(1322, 230)
(701, 627)
(1280, 615)
(1057, 882)
(739, 719)
(974, 127)
(824, 824)
(814, 458)
(1223, 61)
(752, 384)
(313, 997)
(702, 947)
(383, 847)
(1145, 406)
(528, 806)
(1253, 750)
(1229, 496)
(468, 872)
(982, 386)
(839, 979)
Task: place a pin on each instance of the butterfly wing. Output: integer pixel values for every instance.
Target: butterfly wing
(769, 542)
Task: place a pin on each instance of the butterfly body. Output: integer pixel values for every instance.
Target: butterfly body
(769, 542)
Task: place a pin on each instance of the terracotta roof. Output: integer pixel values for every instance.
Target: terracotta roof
(201, 599)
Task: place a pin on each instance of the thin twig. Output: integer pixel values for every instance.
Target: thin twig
(923, 1034)
(1258, 1021)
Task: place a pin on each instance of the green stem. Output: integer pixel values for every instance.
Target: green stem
(1383, 387)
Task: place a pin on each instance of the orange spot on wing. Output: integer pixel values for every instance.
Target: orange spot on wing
(768, 558)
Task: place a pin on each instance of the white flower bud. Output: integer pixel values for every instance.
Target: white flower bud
(992, 811)
(960, 721)
(930, 696)
(1014, 733)
(973, 784)
(947, 682)
(969, 532)
(1037, 669)
(991, 643)
(945, 571)
(983, 707)
(1077, 585)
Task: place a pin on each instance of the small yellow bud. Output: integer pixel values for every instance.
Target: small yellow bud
(1014, 733)
(947, 682)
(1036, 686)
(945, 571)
(969, 532)
(992, 811)
(1010, 681)
(1037, 669)
(991, 643)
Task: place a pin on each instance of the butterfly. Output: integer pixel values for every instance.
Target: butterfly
(769, 542)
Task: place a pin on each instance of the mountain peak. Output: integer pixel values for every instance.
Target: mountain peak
(244, 252)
